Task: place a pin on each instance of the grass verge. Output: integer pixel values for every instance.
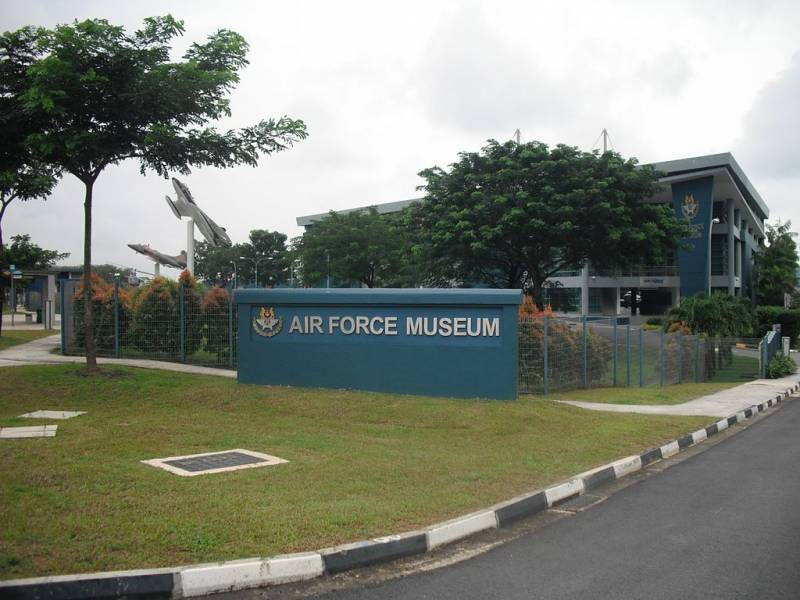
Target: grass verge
(361, 465)
(669, 394)
(14, 337)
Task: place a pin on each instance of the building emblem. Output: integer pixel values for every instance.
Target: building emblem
(690, 206)
(267, 324)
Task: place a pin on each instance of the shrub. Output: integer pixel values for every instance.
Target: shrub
(103, 304)
(565, 351)
(717, 314)
(780, 366)
(156, 322)
(192, 312)
(215, 308)
(789, 319)
(654, 321)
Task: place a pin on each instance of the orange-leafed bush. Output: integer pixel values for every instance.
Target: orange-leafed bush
(156, 321)
(103, 305)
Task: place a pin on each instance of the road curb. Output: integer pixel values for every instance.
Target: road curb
(203, 579)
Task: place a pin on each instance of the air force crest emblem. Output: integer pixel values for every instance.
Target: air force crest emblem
(266, 323)
(690, 206)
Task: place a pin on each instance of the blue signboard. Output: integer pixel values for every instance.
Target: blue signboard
(693, 200)
(459, 343)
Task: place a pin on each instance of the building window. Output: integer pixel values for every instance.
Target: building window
(562, 299)
(719, 254)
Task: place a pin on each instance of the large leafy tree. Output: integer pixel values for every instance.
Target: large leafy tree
(24, 254)
(101, 95)
(22, 177)
(267, 248)
(776, 265)
(361, 246)
(512, 215)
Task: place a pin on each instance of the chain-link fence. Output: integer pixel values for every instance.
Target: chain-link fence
(163, 320)
(566, 353)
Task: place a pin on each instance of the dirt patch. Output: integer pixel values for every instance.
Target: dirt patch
(105, 373)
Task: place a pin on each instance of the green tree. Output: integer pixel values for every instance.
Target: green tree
(268, 249)
(512, 215)
(24, 254)
(356, 247)
(715, 315)
(100, 95)
(22, 177)
(776, 265)
(215, 264)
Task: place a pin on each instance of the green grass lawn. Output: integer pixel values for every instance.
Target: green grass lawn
(361, 465)
(669, 394)
(14, 337)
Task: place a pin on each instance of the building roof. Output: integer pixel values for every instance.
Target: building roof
(383, 209)
(671, 168)
(696, 164)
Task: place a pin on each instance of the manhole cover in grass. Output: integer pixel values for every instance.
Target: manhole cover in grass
(214, 462)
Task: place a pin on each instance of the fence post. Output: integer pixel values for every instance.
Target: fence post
(116, 316)
(628, 354)
(63, 320)
(661, 355)
(614, 382)
(585, 355)
(697, 358)
(680, 357)
(230, 328)
(182, 312)
(546, 357)
(641, 357)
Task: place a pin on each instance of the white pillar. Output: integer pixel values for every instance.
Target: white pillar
(617, 308)
(731, 251)
(157, 269)
(190, 246)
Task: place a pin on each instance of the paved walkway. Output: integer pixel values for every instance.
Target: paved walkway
(40, 352)
(719, 404)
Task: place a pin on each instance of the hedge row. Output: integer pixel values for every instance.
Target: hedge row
(789, 319)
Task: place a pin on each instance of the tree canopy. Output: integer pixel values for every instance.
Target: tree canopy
(267, 248)
(24, 254)
(512, 215)
(361, 246)
(776, 265)
(98, 95)
(717, 314)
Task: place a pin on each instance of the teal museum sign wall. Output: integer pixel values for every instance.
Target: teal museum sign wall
(442, 342)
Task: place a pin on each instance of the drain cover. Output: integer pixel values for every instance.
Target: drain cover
(579, 503)
(214, 462)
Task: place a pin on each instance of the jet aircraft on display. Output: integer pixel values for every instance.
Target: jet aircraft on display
(178, 262)
(185, 206)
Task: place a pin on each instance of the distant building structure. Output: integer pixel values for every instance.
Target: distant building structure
(728, 216)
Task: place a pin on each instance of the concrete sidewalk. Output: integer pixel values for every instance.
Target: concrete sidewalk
(719, 404)
(40, 352)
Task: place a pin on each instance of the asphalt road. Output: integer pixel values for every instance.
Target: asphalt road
(724, 523)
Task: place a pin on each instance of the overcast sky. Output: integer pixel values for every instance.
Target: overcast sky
(388, 89)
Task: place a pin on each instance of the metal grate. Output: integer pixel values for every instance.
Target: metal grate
(214, 462)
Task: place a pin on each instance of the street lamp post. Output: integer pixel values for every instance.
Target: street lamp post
(328, 261)
(256, 262)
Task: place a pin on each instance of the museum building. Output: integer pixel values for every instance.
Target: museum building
(727, 215)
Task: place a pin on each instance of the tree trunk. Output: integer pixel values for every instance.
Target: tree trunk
(537, 288)
(88, 320)
(2, 260)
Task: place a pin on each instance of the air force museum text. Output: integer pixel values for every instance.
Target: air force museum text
(388, 325)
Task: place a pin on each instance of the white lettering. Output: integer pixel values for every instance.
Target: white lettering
(474, 332)
(460, 326)
(390, 326)
(446, 326)
(316, 324)
(333, 323)
(414, 325)
(432, 329)
(362, 325)
(348, 325)
(295, 326)
(373, 326)
(491, 327)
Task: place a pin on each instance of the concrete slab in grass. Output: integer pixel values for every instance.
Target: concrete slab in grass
(53, 414)
(37, 431)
